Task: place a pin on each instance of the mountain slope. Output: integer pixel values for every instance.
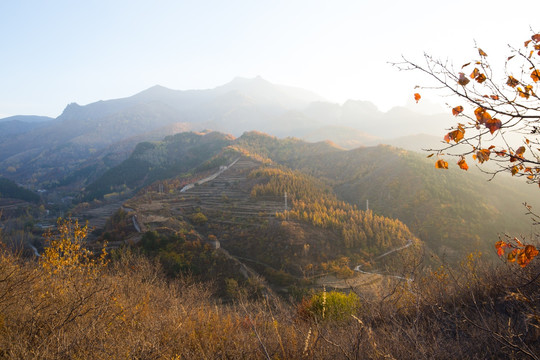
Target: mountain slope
(453, 212)
(241, 206)
(165, 159)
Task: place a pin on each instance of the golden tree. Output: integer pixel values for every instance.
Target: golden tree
(66, 251)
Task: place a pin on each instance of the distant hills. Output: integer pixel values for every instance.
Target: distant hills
(43, 151)
(453, 212)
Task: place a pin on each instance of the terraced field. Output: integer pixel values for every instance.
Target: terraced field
(227, 197)
(223, 199)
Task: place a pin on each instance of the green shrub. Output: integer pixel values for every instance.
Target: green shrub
(331, 305)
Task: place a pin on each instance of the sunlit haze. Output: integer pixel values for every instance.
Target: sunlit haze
(57, 52)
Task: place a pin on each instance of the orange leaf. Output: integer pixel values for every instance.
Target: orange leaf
(417, 97)
(478, 113)
(463, 164)
(482, 155)
(493, 125)
(457, 110)
(456, 135)
(512, 255)
(525, 256)
(536, 37)
(500, 245)
(531, 251)
(481, 78)
(467, 64)
(535, 75)
(463, 79)
(441, 164)
(481, 52)
(475, 73)
(512, 81)
(527, 43)
(494, 97)
(481, 115)
(514, 170)
(522, 93)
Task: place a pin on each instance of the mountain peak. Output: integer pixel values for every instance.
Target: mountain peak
(156, 90)
(243, 82)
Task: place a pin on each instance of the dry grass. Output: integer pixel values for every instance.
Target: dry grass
(129, 310)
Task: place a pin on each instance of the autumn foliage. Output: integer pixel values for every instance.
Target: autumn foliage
(518, 252)
(498, 122)
(492, 112)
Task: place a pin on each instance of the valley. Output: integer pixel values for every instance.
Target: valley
(324, 236)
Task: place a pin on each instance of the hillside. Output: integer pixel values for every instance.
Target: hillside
(10, 190)
(453, 212)
(242, 208)
(151, 161)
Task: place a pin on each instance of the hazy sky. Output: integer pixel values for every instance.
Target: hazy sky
(57, 52)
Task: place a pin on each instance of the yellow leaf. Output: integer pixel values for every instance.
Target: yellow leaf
(512, 255)
(522, 93)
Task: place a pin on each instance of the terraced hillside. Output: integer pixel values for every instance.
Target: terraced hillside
(225, 210)
(224, 200)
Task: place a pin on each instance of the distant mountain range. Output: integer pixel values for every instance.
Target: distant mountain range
(42, 150)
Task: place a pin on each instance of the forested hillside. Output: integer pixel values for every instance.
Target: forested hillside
(452, 212)
(9, 189)
(160, 160)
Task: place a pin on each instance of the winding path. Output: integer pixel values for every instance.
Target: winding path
(409, 243)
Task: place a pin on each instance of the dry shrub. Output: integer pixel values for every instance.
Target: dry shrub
(128, 309)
